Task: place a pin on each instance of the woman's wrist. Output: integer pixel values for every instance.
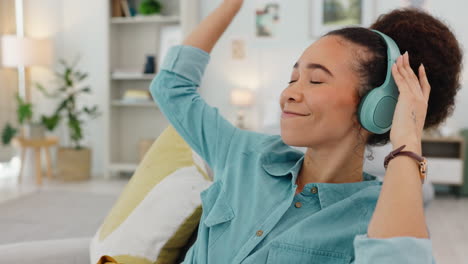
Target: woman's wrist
(413, 146)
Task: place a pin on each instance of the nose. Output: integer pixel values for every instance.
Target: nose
(292, 93)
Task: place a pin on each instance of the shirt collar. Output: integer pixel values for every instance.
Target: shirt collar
(279, 159)
(282, 160)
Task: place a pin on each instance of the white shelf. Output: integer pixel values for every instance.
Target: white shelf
(122, 103)
(145, 19)
(132, 76)
(129, 122)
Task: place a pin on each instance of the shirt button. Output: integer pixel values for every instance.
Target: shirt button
(298, 205)
(259, 233)
(314, 190)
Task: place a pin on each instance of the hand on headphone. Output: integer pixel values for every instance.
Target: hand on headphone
(411, 108)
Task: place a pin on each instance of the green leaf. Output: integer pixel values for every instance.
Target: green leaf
(87, 89)
(75, 128)
(80, 76)
(51, 122)
(24, 110)
(24, 113)
(63, 89)
(68, 80)
(148, 7)
(42, 89)
(92, 112)
(8, 134)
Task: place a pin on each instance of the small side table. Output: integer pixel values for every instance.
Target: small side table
(36, 144)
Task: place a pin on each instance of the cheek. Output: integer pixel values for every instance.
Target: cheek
(332, 106)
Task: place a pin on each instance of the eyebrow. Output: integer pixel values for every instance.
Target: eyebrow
(315, 66)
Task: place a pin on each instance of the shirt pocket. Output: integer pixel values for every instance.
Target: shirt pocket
(288, 253)
(217, 212)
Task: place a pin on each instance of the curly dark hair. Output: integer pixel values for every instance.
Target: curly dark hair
(428, 40)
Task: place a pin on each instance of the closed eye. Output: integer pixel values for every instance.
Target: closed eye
(312, 82)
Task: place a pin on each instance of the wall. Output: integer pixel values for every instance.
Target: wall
(85, 34)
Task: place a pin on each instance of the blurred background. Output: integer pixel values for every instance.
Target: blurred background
(77, 118)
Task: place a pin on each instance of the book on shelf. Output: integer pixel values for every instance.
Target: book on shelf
(125, 8)
(136, 96)
(117, 8)
(132, 8)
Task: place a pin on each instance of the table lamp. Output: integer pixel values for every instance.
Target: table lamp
(241, 98)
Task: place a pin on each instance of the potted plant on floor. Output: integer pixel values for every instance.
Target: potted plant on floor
(74, 161)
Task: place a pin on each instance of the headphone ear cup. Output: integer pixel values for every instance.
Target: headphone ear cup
(376, 111)
(384, 110)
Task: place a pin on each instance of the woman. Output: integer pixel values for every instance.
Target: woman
(270, 203)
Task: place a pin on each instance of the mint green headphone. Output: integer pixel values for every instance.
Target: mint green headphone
(375, 111)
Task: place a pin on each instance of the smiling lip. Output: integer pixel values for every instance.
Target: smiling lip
(286, 114)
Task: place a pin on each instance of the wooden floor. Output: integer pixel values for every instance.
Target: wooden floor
(447, 218)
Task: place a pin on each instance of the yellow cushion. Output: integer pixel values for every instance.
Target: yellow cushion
(159, 208)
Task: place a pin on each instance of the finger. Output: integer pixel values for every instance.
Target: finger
(424, 82)
(411, 77)
(399, 80)
(403, 74)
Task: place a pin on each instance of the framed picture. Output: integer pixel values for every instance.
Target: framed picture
(267, 18)
(169, 36)
(327, 15)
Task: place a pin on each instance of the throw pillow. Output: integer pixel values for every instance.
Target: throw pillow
(159, 208)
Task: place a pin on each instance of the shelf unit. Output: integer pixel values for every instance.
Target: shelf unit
(130, 40)
(445, 156)
(145, 19)
(128, 77)
(123, 103)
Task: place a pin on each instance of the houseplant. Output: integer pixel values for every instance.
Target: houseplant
(150, 7)
(35, 129)
(73, 161)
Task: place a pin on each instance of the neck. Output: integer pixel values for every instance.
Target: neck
(334, 163)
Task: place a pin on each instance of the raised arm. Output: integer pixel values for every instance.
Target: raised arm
(208, 32)
(397, 232)
(175, 91)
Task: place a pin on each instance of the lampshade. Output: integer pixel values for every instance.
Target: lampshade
(242, 97)
(20, 51)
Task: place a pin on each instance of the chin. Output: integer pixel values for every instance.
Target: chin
(293, 137)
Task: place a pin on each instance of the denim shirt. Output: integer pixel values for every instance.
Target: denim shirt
(251, 213)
